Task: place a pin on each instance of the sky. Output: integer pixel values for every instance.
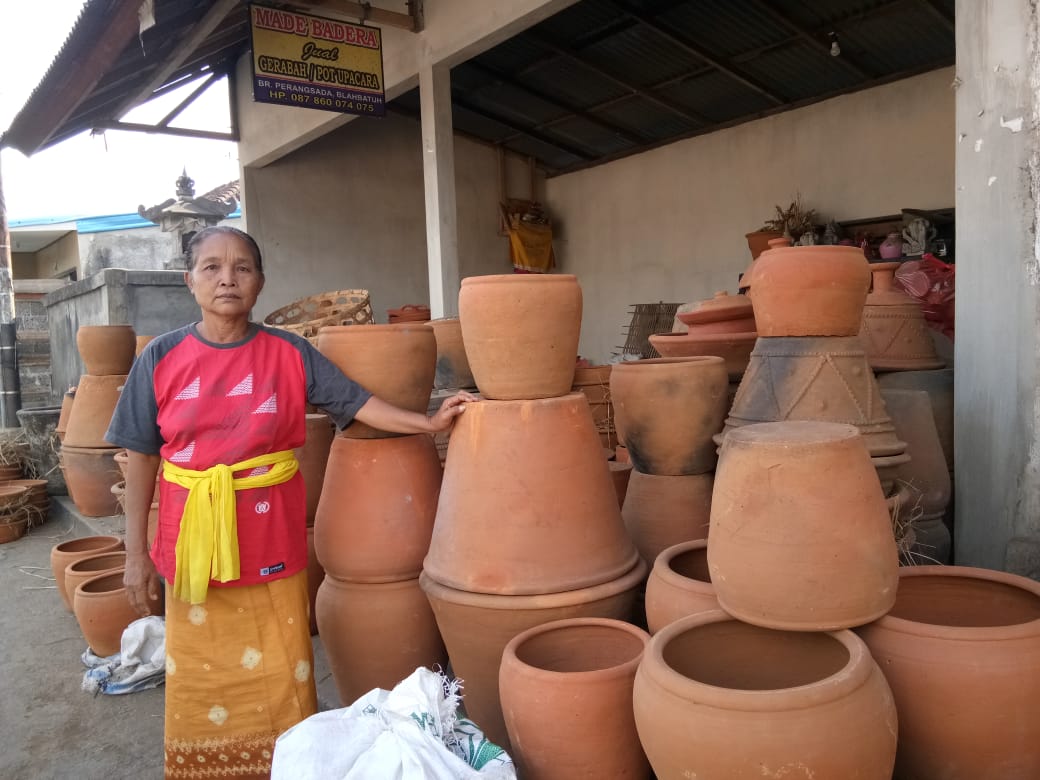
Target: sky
(110, 173)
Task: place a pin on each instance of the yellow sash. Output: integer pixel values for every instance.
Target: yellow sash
(207, 546)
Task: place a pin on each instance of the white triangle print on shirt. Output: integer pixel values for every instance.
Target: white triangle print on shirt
(245, 387)
(270, 406)
(183, 456)
(191, 391)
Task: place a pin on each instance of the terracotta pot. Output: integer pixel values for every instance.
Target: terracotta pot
(810, 291)
(545, 672)
(376, 634)
(453, 371)
(894, 332)
(377, 508)
(103, 612)
(63, 415)
(621, 454)
(939, 386)
(667, 410)
(679, 585)
(35, 491)
(313, 457)
(477, 626)
(661, 511)
(620, 473)
(961, 650)
(594, 383)
(12, 496)
(410, 312)
(13, 471)
(926, 472)
(91, 566)
(13, 530)
(73, 550)
(394, 362)
(90, 474)
(122, 459)
(96, 398)
(722, 313)
(758, 242)
(716, 698)
(932, 541)
(733, 348)
(521, 333)
(777, 556)
(525, 485)
(140, 342)
(315, 576)
(106, 349)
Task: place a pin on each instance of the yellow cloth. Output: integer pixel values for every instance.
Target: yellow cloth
(530, 246)
(207, 545)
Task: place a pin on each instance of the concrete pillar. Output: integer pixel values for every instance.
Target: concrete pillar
(438, 155)
(997, 404)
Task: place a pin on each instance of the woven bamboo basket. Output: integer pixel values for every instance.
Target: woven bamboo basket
(337, 307)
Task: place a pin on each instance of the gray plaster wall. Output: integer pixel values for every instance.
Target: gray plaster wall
(153, 302)
(138, 249)
(998, 272)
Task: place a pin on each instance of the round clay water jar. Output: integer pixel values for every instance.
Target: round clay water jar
(66, 553)
(801, 537)
(96, 398)
(717, 698)
(667, 410)
(662, 511)
(961, 651)
(453, 371)
(103, 612)
(521, 333)
(679, 585)
(313, 457)
(546, 671)
(90, 474)
(106, 349)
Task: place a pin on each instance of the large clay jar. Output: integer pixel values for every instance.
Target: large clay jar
(453, 371)
(717, 698)
(375, 635)
(961, 650)
(525, 487)
(73, 550)
(667, 411)
(679, 585)
(662, 511)
(733, 348)
(477, 626)
(377, 508)
(521, 333)
(939, 386)
(103, 612)
(90, 474)
(315, 576)
(801, 537)
(810, 291)
(313, 456)
(106, 349)
(894, 332)
(96, 398)
(553, 677)
(926, 472)
(92, 566)
(67, 401)
(395, 362)
(621, 473)
(723, 313)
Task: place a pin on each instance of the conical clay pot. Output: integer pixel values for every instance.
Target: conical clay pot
(96, 398)
(106, 349)
(453, 371)
(667, 410)
(662, 511)
(103, 612)
(546, 671)
(90, 474)
(679, 585)
(92, 566)
(313, 457)
(716, 698)
(894, 332)
(375, 635)
(939, 386)
(377, 508)
(66, 553)
(926, 472)
(801, 537)
(525, 485)
(395, 362)
(521, 333)
(961, 650)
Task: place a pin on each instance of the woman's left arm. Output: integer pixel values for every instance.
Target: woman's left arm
(387, 417)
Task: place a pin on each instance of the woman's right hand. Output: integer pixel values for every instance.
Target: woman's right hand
(143, 587)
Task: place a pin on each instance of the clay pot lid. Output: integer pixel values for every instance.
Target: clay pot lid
(884, 291)
(722, 306)
(10, 495)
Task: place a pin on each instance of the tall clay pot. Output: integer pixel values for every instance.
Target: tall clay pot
(717, 698)
(70, 551)
(525, 486)
(662, 511)
(667, 410)
(92, 566)
(545, 672)
(90, 474)
(395, 362)
(315, 576)
(96, 398)
(63, 416)
(778, 554)
(939, 386)
(453, 371)
(106, 349)
(377, 508)
(679, 585)
(961, 650)
(313, 456)
(376, 634)
(521, 333)
(103, 612)
(894, 332)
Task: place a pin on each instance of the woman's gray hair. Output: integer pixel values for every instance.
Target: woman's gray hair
(191, 253)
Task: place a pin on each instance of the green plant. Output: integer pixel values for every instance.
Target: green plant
(792, 221)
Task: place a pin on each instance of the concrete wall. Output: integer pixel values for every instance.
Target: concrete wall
(348, 211)
(58, 258)
(139, 249)
(669, 224)
(998, 273)
(23, 265)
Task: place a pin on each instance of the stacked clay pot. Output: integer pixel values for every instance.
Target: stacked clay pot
(87, 460)
(453, 371)
(313, 457)
(594, 383)
(374, 517)
(528, 528)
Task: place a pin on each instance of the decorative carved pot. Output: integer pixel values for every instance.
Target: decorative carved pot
(662, 511)
(894, 332)
(73, 550)
(679, 585)
(106, 349)
(939, 386)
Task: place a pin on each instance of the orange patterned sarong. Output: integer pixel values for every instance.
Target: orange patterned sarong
(239, 672)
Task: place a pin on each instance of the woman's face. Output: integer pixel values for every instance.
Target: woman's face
(225, 280)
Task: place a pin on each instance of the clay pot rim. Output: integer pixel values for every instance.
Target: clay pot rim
(853, 675)
(71, 568)
(663, 363)
(442, 321)
(818, 252)
(339, 582)
(538, 601)
(792, 433)
(569, 398)
(663, 568)
(29, 484)
(963, 633)
(617, 671)
(89, 588)
(500, 278)
(12, 491)
(72, 545)
(394, 327)
(706, 338)
(74, 450)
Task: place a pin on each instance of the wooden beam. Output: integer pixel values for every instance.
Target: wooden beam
(135, 127)
(189, 99)
(363, 12)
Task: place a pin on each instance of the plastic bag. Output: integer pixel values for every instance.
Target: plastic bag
(932, 282)
(409, 733)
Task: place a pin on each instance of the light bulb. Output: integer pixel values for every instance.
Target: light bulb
(835, 49)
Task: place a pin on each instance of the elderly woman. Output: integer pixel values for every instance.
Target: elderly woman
(219, 406)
